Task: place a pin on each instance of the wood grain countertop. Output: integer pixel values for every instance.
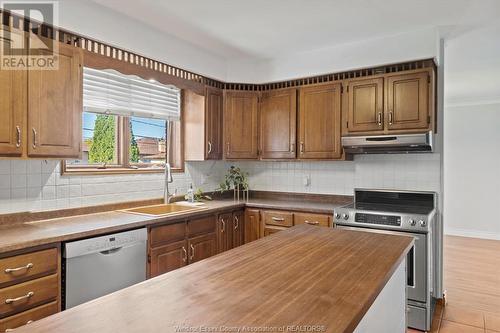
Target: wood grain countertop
(29, 234)
(327, 278)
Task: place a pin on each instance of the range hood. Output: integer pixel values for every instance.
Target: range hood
(395, 144)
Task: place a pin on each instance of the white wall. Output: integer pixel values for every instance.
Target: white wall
(415, 45)
(103, 24)
(472, 164)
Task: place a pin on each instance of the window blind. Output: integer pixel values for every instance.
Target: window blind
(111, 92)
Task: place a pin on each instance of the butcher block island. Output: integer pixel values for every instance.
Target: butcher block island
(305, 279)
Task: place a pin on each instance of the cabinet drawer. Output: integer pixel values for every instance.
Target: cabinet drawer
(27, 317)
(26, 295)
(278, 218)
(205, 225)
(272, 230)
(167, 234)
(312, 219)
(24, 266)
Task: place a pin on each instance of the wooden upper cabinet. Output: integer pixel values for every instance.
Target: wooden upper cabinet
(240, 125)
(55, 107)
(213, 124)
(278, 117)
(365, 109)
(319, 122)
(13, 99)
(12, 112)
(408, 101)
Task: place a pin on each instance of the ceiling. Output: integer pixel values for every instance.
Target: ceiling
(264, 30)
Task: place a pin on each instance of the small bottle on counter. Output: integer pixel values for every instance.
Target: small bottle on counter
(190, 194)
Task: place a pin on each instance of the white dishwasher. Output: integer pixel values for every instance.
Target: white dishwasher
(98, 266)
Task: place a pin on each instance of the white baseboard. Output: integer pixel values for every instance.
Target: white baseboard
(472, 233)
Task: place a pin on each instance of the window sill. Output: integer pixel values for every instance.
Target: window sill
(88, 171)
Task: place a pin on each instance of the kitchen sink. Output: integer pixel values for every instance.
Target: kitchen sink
(163, 209)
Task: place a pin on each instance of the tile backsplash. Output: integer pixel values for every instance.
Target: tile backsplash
(34, 185)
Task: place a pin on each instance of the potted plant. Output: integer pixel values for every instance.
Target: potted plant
(235, 180)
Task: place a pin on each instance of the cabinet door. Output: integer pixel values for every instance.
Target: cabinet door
(202, 247)
(278, 118)
(13, 101)
(252, 225)
(213, 124)
(238, 229)
(167, 258)
(224, 232)
(407, 101)
(319, 122)
(365, 105)
(240, 125)
(55, 107)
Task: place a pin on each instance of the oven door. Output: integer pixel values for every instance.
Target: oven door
(416, 271)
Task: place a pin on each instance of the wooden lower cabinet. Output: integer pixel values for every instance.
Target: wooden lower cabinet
(252, 225)
(167, 258)
(269, 230)
(202, 247)
(27, 317)
(30, 286)
(320, 220)
(179, 244)
(230, 230)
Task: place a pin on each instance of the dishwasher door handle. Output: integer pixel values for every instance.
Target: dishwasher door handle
(111, 251)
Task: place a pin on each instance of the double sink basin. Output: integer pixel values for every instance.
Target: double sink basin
(164, 209)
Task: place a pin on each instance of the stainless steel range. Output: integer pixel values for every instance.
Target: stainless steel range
(407, 213)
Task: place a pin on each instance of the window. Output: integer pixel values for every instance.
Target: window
(129, 125)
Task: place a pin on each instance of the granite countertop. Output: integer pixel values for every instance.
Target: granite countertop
(299, 277)
(24, 235)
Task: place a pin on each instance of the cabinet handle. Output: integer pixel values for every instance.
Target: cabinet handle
(20, 298)
(192, 252)
(390, 117)
(18, 133)
(277, 219)
(11, 270)
(209, 147)
(292, 147)
(228, 149)
(301, 147)
(223, 225)
(34, 137)
(12, 329)
(379, 118)
(185, 254)
(311, 222)
(236, 222)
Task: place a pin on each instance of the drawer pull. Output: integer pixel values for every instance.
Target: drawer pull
(12, 330)
(12, 270)
(278, 219)
(311, 222)
(236, 222)
(20, 298)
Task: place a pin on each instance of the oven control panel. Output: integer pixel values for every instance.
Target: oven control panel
(389, 220)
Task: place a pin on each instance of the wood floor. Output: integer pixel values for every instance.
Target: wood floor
(472, 283)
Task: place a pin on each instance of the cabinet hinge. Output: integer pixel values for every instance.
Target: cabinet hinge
(341, 89)
(428, 119)
(347, 124)
(149, 258)
(428, 79)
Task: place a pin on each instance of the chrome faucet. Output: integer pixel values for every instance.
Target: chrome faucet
(168, 179)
